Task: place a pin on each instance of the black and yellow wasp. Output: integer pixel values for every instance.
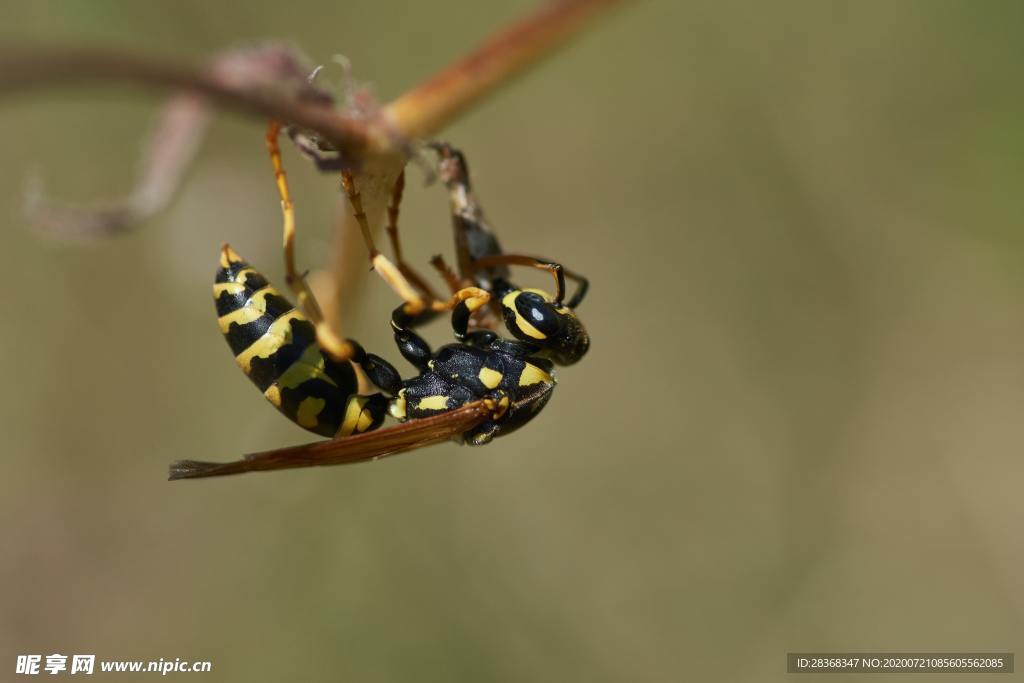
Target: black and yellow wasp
(471, 391)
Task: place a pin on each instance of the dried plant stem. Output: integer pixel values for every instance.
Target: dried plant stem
(22, 68)
(428, 107)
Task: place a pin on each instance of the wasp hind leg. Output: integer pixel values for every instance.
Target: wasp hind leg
(410, 274)
(339, 349)
(417, 307)
(416, 304)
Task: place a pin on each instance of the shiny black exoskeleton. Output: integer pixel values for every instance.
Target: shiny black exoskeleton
(481, 366)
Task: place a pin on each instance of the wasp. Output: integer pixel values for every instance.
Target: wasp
(474, 390)
(532, 316)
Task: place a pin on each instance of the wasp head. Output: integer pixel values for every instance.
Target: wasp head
(532, 316)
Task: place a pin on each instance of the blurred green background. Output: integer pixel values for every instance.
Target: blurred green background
(798, 427)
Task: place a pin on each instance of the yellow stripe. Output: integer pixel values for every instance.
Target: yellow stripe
(230, 287)
(433, 403)
(353, 411)
(277, 335)
(533, 375)
(244, 273)
(254, 309)
(365, 421)
(308, 410)
(310, 365)
(273, 394)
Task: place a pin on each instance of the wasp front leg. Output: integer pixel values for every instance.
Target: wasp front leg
(558, 272)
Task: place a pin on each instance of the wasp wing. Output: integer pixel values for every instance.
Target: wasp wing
(358, 448)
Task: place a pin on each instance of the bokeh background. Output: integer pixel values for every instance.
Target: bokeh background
(799, 427)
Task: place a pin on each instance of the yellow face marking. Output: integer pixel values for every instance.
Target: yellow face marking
(533, 375)
(433, 403)
(310, 365)
(278, 334)
(308, 410)
(273, 394)
(489, 378)
(547, 297)
(509, 302)
(353, 411)
(397, 406)
(254, 309)
(228, 256)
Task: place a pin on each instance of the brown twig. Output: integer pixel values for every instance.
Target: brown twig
(23, 68)
(428, 107)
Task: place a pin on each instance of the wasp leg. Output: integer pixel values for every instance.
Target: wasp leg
(449, 276)
(465, 302)
(404, 268)
(556, 269)
(413, 347)
(485, 432)
(339, 349)
(382, 373)
(417, 308)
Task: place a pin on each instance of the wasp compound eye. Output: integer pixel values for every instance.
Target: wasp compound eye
(530, 317)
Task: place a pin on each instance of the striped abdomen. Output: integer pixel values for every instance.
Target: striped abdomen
(276, 346)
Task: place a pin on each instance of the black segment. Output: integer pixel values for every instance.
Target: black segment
(333, 412)
(253, 281)
(241, 337)
(229, 274)
(228, 302)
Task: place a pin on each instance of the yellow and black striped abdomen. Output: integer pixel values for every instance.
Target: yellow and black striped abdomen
(276, 346)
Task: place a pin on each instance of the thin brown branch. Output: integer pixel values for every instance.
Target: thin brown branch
(427, 108)
(23, 68)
